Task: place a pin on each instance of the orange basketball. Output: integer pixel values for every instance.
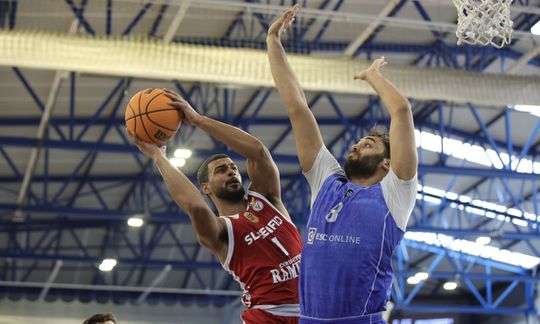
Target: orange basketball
(150, 116)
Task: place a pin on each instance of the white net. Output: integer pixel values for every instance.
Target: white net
(484, 22)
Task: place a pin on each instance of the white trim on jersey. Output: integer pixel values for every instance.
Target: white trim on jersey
(378, 263)
(230, 247)
(400, 197)
(230, 251)
(258, 195)
(291, 310)
(325, 165)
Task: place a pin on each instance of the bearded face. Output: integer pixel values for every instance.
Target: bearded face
(232, 191)
(363, 166)
(225, 181)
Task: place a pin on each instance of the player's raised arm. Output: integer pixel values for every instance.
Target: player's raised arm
(261, 168)
(404, 159)
(211, 230)
(306, 131)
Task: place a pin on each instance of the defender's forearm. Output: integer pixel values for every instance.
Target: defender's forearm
(392, 99)
(285, 79)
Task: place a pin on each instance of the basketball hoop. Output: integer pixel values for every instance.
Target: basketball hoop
(484, 22)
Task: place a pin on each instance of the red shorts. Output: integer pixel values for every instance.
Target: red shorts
(259, 316)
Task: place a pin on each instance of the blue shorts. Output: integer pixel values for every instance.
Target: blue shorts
(363, 319)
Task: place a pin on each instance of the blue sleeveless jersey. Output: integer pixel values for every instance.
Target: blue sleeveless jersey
(346, 269)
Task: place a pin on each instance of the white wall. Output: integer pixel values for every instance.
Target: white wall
(27, 312)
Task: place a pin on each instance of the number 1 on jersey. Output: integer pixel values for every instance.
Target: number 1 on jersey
(278, 243)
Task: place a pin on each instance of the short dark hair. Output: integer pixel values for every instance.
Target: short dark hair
(202, 173)
(100, 318)
(381, 132)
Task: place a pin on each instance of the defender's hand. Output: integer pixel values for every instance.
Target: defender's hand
(283, 22)
(374, 68)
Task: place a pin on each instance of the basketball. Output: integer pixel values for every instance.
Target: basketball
(150, 117)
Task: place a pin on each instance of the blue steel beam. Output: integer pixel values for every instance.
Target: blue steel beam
(438, 258)
(89, 217)
(238, 20)
(11, 165)
(326, 23)
(4, 11)
(135, 182)
(72, 90)
(449, 309)
(474, 233)
(137, 18)
(529, 143)
(108, 25)
(304, 27)
(13, 13)
(422, 169)
(466, 276)
(159, 18)
(79, 14)
(423, 12)
(88, 250)
(193, 258)
(90, 121)
(8, 13)
(358, 121)
(474, 136)
(490, 140)
(365, 47)
(488, 281)
(484, 129)
(95, 213)
(154, 263)
(104, 147)
(446, 203)
(256, 111)
(93, 155)
(283, 135)
(435, 250)
(36, 99)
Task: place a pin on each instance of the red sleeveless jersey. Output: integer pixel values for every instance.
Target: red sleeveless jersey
(264, 255)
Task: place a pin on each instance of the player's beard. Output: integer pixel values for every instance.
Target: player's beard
(232, 195)
(363, 167)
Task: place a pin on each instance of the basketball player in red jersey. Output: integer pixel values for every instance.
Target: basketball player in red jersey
(254, 239)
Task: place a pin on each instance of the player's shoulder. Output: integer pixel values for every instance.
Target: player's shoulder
(257, 202)
(224, 217)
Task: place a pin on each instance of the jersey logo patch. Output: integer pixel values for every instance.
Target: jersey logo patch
(252, 218)
(256, 205)
(312, 231)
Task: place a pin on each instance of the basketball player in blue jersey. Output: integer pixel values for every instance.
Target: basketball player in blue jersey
(359, 212)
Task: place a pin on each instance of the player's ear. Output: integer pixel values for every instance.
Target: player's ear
(386, 165)
(204, 188)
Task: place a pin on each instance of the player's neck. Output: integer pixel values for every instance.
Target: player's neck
(226, 207)
(366, 182)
